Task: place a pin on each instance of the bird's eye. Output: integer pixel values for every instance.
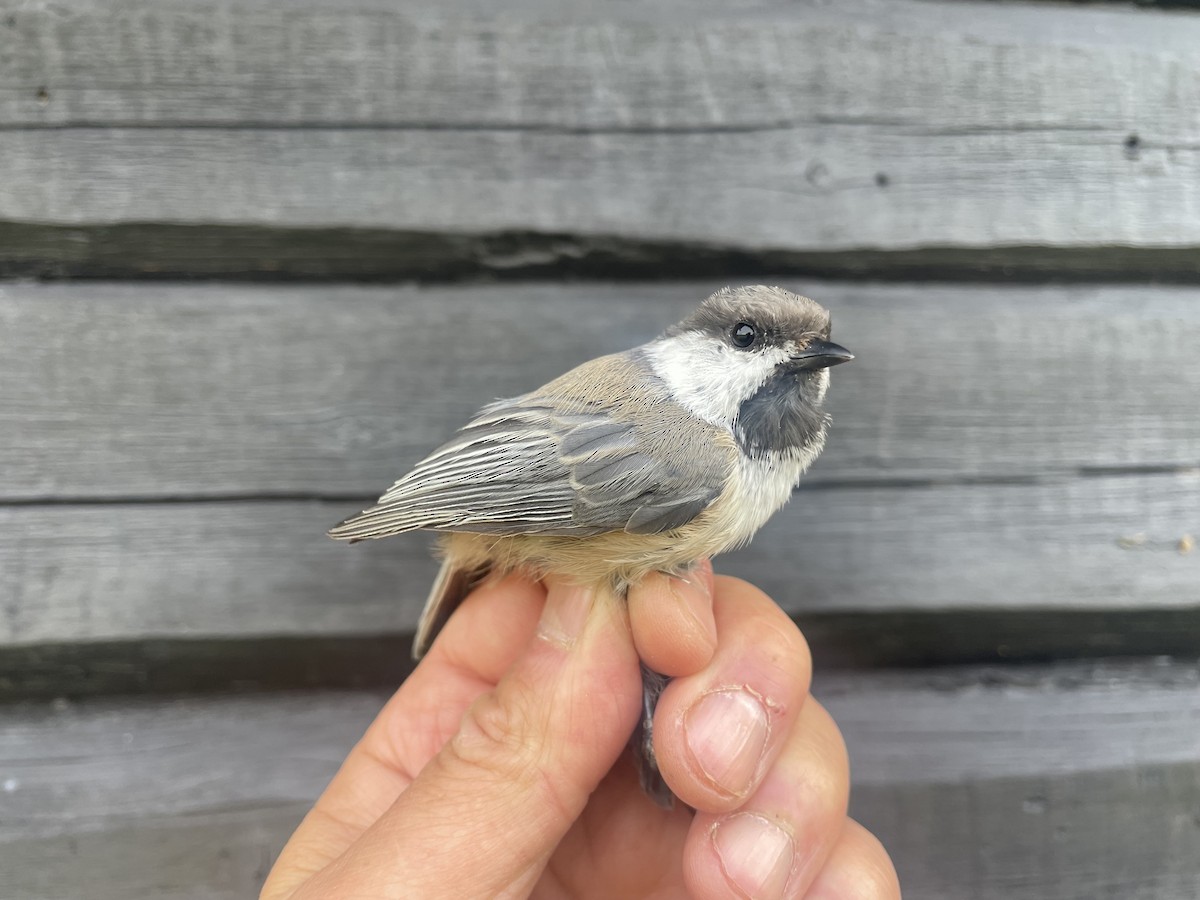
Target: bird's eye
(743, 334)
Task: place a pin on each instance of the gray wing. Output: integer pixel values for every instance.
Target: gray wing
(537, 465)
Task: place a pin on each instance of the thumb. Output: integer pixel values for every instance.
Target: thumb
(486, 813)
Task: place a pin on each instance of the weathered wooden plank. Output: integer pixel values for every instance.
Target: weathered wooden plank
(218, 855)
(806, 131)
(120, 391)
(658, 65)
(839, 640)
(937, 573)
(263, 253)
(1055, 783)
(1125, 834)
(809, 187)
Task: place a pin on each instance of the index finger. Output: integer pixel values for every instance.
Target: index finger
(478, 644)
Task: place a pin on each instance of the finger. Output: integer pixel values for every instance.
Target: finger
(717, 732)
(498, 619)
(858, 869)
(487, 811)
(776, 843)
(484, 637)
(490, 629)
(672, 620)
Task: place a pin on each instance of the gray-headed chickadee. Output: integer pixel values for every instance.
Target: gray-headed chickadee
(642, 461)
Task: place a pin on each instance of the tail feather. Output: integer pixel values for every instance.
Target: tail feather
(642, 742)
(449, 590)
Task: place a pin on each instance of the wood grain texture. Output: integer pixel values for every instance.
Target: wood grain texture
(248, 253)
(245, 570)
(788, 128)
(169, 391)
(1011, 470)
(807, 187)
(1060, 782)
(658, 65)
(840, 641)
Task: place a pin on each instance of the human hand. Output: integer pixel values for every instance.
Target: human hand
(500, 768)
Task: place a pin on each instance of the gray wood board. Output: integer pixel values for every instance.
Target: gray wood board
(839, 641)
(805, 129)
(805, 188)
(881, 562)
(118, 392)
(1057, 783)
(260, 253)
(615, 67)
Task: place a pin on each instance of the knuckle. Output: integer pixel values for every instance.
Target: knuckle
(502, 741)
(791, 639)
(829, 738)
(829, 794)
(877, 883)
(874, 878)
(824, 800)
(782, 640)
(491, 732)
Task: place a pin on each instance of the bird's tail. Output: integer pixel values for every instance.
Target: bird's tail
(642, 742)
(449, 590)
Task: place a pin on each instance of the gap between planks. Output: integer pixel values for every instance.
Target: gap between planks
(265, 254)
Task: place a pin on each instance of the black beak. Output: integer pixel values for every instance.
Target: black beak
(822, 355)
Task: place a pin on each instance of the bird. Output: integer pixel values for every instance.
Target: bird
(647, 460)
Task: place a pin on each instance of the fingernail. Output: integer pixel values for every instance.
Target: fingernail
(756, 854)
(565, 613)
(727, 733)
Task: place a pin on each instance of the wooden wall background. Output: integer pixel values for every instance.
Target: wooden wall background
(258, 256)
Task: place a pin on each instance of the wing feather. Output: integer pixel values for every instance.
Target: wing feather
(539, 464)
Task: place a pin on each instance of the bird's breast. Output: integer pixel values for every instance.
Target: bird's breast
(757, 489)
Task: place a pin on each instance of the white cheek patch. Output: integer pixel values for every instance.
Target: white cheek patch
(709, 378)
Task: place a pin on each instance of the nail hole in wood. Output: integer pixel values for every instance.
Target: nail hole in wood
(1133, 145)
